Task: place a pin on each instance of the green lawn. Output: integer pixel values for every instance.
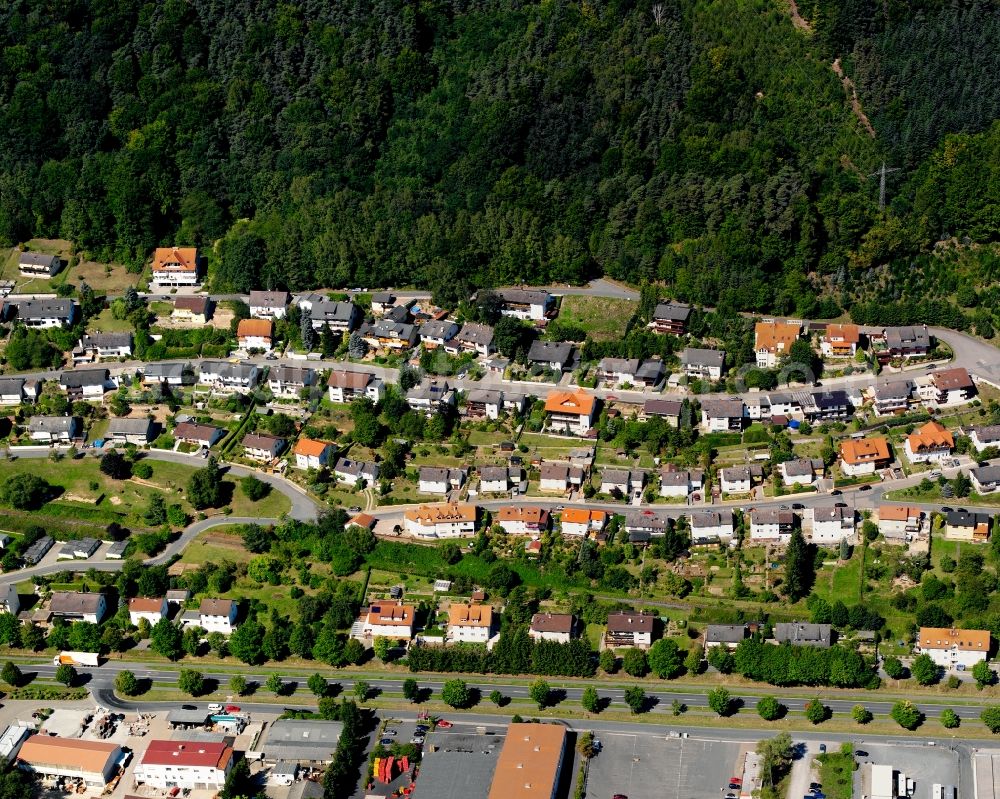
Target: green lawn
(836, 775)
(602, 318)
(104, 322)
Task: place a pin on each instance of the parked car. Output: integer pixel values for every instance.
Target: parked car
(386, 742)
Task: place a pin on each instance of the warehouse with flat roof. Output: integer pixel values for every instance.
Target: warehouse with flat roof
(94, 762)
(457, 766)
(530, 762)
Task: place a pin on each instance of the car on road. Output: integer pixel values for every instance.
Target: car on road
(445, 725)
(422, 728)
(836, 492)
(386, 742)
(189, 707)
(417, 740)
(215, 707)
(232, 708)
(865, 488)
(394, 733)
(797, 506)
(861, 753)
(946, 509)
(619, 796)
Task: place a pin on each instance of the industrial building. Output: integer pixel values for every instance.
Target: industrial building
(93, 762)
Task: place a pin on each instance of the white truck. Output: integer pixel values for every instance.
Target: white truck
(75, 659)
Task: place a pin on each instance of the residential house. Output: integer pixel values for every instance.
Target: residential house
(501, 479)
(168, 374)
(948, 387)
(740, 479)
(930, 442)
(313, 454)
(218, 615)
(107, 345)
(703, 364)
(434, 480)
(630, 371)
(400, 313)
(864, 456)
(671, 318)
(771, 524)
(667, 409)
(641, 525)
(139, 431)
(962, 525)
(10, 602)
(722, 414)
(558, 627)
(469, 624)
(801, 471)
(472, 338)
(78, 606)
(289, 381)
(580, 522)
(629, 628)
(262, 447)
(46, 313)
(912, 341)
(525, 303)
(560, 477)
(175, 266)
(481, 403)
(523, 520)
(202, 435)
(893, 397)
(268, 304)
(345, 386)
(832, 524)
(570, 412)
(195, 310)
(148, 608)
(17, 390)
(680, 483)
(392, 620)
(35, 264)
(437, 333)
(382, 301)
(354, 472)
(623, 482)
(339, 317)
(225, 376)
(827, 405)
(985, 436)
(773, 340)
(385, 334)
(840, 341)
(801, 634)
(782, 404)
(444, 520)
(729, 636)
(952, 648)
(85, 384)
(55, 429)
(168, 765)
(255, 334)
(985, 479)
(901, 522)
(554, 355)
(431, 396)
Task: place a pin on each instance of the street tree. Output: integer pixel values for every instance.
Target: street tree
(166, 639)
(456, 694)
(664, 659)
(949, 719)
(497, 698)
(816, 711)
(924, 669)
(540, 693)
(769, 708)
(861, 714)
(126, 683)
(362, 690)
(720, 700)
(590, 700)
(238, 684)
(66, 674)
(411, 691)
(991, 718)
(11, 674)
(635, 698)
(191, 682)
(275, 684)
(906, 714)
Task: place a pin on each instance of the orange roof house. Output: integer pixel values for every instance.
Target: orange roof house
(841, 339)
(529, 514)
(933, 437)
(775, 337)
(138, 604)
(867, 450)
(175, 259)
(311, 447)
(590, 517)
(470, 615)
(442, 512)
(256, 328)
(575, 403)
(948, 638)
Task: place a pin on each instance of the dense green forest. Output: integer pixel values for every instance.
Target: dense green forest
(706, 144)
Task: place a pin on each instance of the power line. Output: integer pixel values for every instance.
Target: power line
(883, 171)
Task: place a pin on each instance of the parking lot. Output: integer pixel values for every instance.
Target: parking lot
(651, 767)
(923, 764)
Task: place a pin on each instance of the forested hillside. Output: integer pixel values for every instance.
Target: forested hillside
(704, 143)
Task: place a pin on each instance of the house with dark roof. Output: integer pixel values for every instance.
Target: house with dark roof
(435, 480)
(526, 304)
(131, 431)
(801, 471)
(670, 317)
(386, 334)
(46, 313)
(801, 634)
(703, 364)
(106, 345)
(436, 333)
(558, 627)
(352, 472)
(226, 376)
(289, 381)
(78, 606)
(722, 414)
(55, 429)
(38, 265)
(262, 447)
(169, 374)
(963, 525)
(347, 386)
(729, 635)
(430, 396)
(911, 341)
(18, 390)
(268, 304)
(892, 397)
(86, 384)
(667, 409)
(554, 355)
(630, 628)
(772, 524)
(472, 337)
(339, 317)
(202, 435)
(192, 310)
(948, 387)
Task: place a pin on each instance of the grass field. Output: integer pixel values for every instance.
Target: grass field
(123, 501)
(104, 322)
(601, 317)
(836, 775)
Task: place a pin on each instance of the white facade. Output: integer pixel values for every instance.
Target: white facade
(192, 765)
(218, 620)
(143, 610)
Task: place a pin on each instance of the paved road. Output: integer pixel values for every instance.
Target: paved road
(568, 692)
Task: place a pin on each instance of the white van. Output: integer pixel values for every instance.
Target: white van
(215, 707)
